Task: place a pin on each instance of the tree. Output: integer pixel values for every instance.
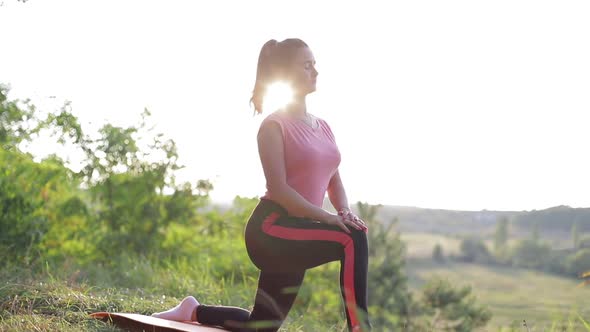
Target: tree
(474, 251)
(531, 254)
(578, 263)
(575, 235)
(584, 242)
(437, 253)
(535, 234)
(501, 235)
(120, 190)
(128, 171)
(204, 187)
(452, 309)
(32, 194)
(18, 120)
(391, 302)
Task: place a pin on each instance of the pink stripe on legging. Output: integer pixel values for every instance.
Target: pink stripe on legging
(322, 235)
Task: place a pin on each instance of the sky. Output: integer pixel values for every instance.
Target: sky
(464, 105)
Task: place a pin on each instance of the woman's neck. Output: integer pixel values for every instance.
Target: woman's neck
(297, 107)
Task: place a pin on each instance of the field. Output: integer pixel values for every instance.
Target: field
(544, 301)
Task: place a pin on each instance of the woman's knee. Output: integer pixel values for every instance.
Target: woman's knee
(358, 236)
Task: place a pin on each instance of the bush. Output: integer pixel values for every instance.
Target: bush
(437, 253)
(475, 251)
(584, 242)
(556, 262)
(452, 309)
(531, 254)
(391, 301)
(578, 263)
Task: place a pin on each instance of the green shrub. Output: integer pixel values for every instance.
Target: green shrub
(531, 254)
(452, 309)
(578, 263)
(474, 251)
(437, 253)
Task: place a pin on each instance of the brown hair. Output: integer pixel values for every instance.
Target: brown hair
(273, 64)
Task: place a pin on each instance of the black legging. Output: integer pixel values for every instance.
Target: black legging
(283, 247)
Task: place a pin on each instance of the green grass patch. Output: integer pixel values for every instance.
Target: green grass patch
(421, 245)
(62, 301)
(545, 302)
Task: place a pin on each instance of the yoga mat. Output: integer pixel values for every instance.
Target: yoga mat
(142, 323)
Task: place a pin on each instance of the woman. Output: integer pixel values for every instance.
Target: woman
(289, 231)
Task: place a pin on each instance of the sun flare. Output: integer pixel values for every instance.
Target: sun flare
(278, 95)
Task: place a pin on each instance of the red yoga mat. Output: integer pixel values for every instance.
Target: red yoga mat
(142, 323)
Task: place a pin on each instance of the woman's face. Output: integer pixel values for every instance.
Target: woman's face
(303, 72)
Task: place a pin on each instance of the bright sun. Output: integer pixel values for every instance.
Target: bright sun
(277, 95)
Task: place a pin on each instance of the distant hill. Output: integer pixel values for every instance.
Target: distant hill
(414, 219)
(556, 219)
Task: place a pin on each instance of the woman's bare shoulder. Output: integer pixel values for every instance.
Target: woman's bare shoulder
(271, 122)
(274, 116)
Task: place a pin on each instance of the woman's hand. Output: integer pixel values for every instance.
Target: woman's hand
(357, 222)
(336, 220)
(346, 221)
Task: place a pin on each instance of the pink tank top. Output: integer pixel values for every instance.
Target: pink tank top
(311, 156)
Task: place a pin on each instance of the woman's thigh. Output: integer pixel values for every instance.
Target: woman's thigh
(278, 242)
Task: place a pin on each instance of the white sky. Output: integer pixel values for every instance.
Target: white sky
(441, 104)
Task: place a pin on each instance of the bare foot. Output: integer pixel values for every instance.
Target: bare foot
(182, 312)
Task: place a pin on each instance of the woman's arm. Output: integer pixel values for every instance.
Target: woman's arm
(338, 198)
(337, 194)
(272, 156)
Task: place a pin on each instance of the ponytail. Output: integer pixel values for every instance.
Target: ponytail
(263, 73)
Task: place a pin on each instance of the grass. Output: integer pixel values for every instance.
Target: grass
(61, 301)
(420, 245)
(545, 302)
(56, 306)
(44, 302)
(62, 305)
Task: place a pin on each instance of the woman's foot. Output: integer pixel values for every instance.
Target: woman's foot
(182, 312)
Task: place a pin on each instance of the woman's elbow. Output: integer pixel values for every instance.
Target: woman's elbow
(276, 189)
(279, 192)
